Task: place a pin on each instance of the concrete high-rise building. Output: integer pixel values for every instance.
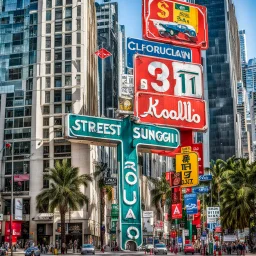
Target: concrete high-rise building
(48, 69)
(223, 73)
(243, 54)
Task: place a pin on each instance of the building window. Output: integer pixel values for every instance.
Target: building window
(58, 26)
(48, 69)
(68, 39)
(68, 108)
(46, 121)
(48, 56)
(79, 11)
(46, 151)
(15, 73)
(57, 82)
(78, 24)
(68, 81)
(68, 54)
(57, 121)
(68, 95)
(68, 1)
(58, 55)
(46, 165)
(78, 66)
(57, 132)
(48, 82)
(48, 28)
(58, 14)
(48, 42)
(46, 110)
(58, 2)
(58, 67)
(68, 25)
(68, 66)
(57, 109)
(78, 80)
(47, 97)
(62, 150)
(78, 38)
(68, 12)
(48, 3)
(58, 40)
(46, 133)
(78, 51)
(57, 96)
(48, 15)
(28, 111)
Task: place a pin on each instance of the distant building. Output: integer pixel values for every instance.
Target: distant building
(243, 54)
(223, 73)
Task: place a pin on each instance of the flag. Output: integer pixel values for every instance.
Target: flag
(21, 177)
(6, 145)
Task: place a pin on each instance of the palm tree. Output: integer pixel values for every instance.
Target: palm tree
(101, 169)
(238, 193)
(64, 192)
(161, 193)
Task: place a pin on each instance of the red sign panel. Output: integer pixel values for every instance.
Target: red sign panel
(198, 148)
(176, 179)
(168, 77)
(103, 53)
(218, 229)
(197, 217)
(180, 112)
(175, 22)
(16, 228)
(176, 211)
(176, 195)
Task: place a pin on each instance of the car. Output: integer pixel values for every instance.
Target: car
(160, 249)
(32, 250)
(171, 29)
(188, 248)
(88, 249)
(149, 247)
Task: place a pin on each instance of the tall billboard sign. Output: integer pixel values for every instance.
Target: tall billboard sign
(128, 136)
(175, 22)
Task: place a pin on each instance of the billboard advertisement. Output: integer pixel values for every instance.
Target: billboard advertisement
(190, 201)
(213, 214)
(18, 208)
(175, 22)
(198, 148)
(187, 164)
(168, 77)
(167, 51)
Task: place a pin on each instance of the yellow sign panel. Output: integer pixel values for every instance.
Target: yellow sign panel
(184, 14)
(187, 163)
(186, 149)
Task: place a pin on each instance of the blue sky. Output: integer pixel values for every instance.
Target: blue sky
(130, 16)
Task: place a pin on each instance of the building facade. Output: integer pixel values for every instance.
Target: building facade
(48, 69)
(223, 73)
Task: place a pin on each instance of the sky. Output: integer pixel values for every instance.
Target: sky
(130, 16)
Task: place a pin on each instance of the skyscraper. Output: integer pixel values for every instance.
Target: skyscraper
(243, 54)
(223, 73)
(48, 69)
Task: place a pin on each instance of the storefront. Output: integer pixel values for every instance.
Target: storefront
(44, 233)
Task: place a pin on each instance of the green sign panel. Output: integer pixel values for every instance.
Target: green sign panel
(128, 136)
(114, 211)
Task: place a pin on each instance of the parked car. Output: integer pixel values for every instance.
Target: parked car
(88, 249)
(160, 249)
(149, 247)
(188, 248)
(170, 29)
(32, 251)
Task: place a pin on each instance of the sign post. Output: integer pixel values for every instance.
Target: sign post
(128, 136)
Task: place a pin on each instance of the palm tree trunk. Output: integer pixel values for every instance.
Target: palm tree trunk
(63, 228)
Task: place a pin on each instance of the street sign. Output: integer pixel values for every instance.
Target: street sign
(180, 112)
(148, 214)
(168, 77)
(201, 190)
(198, 148)
(205, 177)
(128, 136)
(190, 202)
(127, 86)
(177, 23)
(167, 51)
(110, 181)
(114, 211)
(187, 164)
(176, 211)
(103, 53)
(213, 214)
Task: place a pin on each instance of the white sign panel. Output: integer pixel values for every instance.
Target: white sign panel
(229, 238)
(18, 208)
(127, 86)
(186, 232)
(148, 221)
(1, 217)
(213, 214)
(148, 214)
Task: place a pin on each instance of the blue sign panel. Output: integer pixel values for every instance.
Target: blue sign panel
(191, 203)
(211, 226)
(180, 240)
(205, 177)
(138, 46)
(201, 190)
